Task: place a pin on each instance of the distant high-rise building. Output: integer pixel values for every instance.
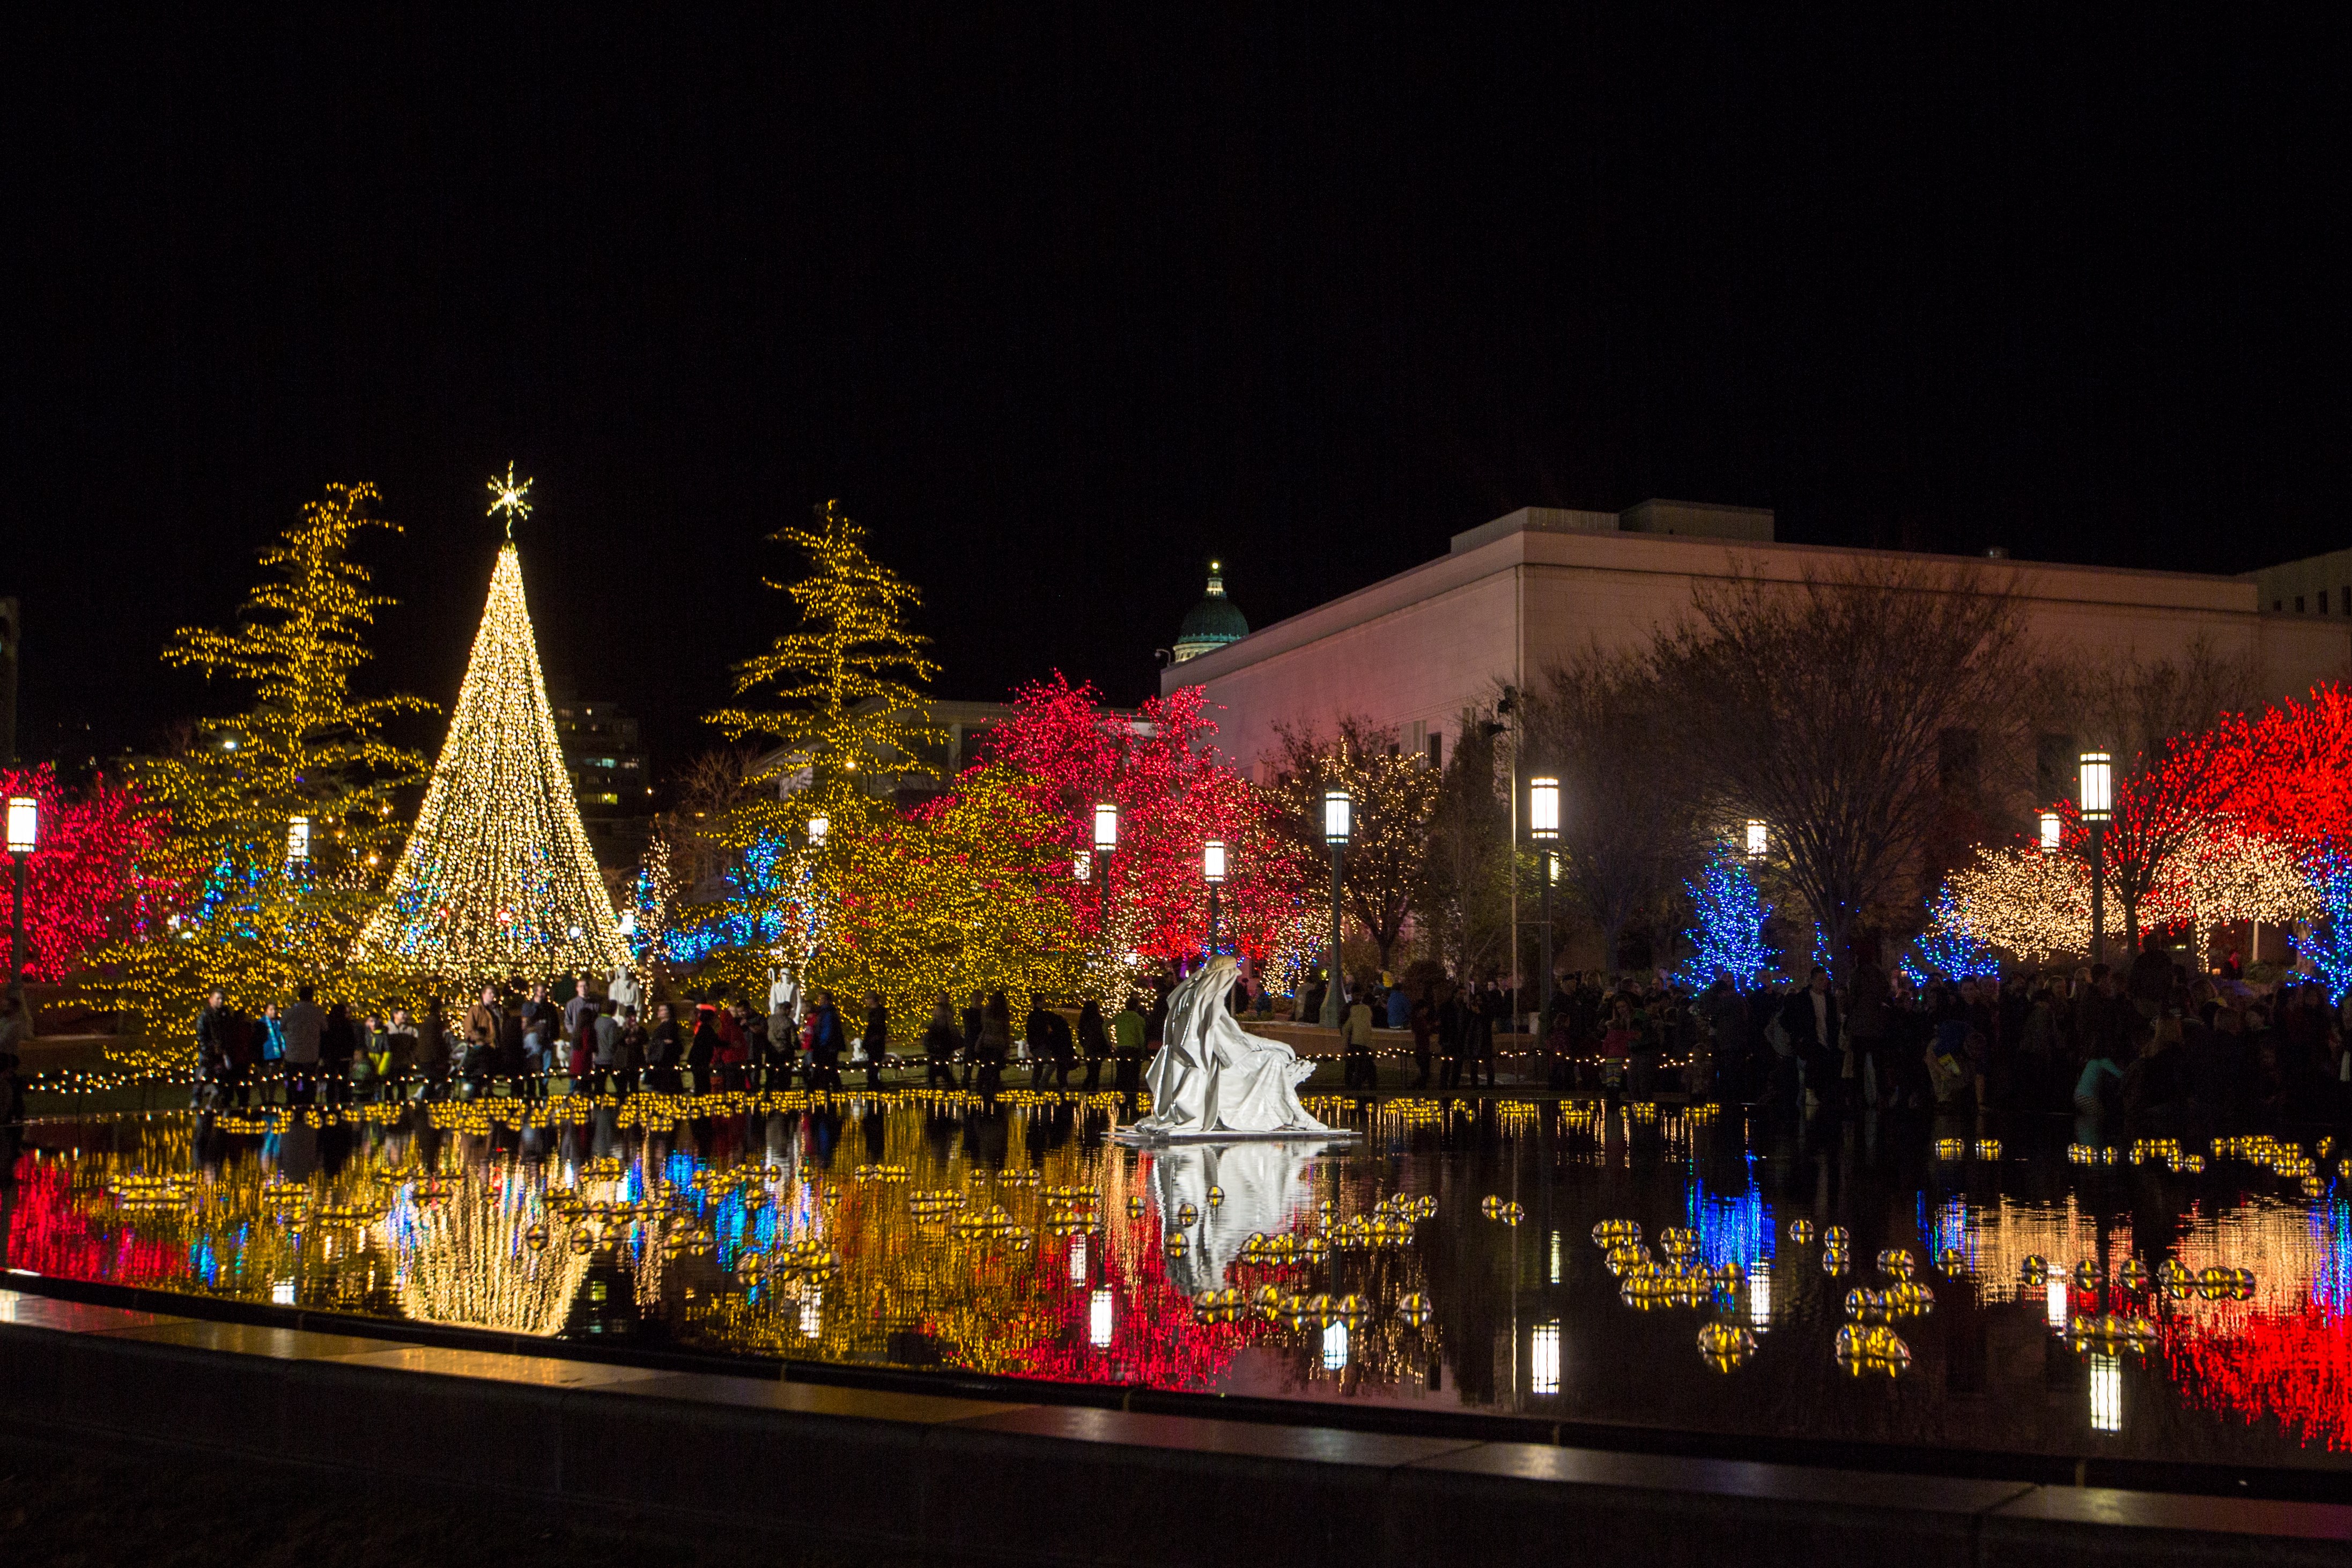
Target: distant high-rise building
(609, 776)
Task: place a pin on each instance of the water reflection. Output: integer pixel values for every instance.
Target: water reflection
(1841, 1282)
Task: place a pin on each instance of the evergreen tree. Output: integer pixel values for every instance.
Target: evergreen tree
(305, 765)
(498, 880)
(841, 694)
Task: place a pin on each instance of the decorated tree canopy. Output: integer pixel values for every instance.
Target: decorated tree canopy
(956, 895)
(1729, 939)
(841, 693)
(2328, 943)
(1068, 752)
(280, 816)
(1394, 799)
(2290, 772)
(498, 880)
(87, 877)
(1947, 949)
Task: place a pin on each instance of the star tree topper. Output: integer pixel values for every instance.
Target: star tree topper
(507, 496)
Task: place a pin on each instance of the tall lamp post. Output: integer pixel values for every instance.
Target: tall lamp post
(1543, 826)
(1212, 872)
(1336, 807)
(297, 843)
(24, 837)
(2095, 790)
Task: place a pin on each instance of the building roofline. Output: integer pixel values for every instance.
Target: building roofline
(1446, 572)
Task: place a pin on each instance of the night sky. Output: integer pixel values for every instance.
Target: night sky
(1062, 302)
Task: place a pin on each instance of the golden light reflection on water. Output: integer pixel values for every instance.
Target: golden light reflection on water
(857, 1236)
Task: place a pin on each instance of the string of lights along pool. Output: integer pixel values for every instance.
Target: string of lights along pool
(498, 880)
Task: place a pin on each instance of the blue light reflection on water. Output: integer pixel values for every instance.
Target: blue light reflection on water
(1733, 1227)
(2331, 1226)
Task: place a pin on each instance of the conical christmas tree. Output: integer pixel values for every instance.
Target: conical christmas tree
(498, 880)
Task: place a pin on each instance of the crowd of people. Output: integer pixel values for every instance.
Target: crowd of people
(2151, 1050)
(525, 1045)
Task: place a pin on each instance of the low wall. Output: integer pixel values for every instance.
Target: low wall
(965, 1479)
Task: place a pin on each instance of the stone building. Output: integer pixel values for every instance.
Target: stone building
(1528, 590)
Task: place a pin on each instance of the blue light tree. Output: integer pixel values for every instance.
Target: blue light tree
(1946, 950)
(1729, 936)
(2329, 946)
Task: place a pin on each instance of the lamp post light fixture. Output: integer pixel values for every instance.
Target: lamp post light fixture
(1543, 826)
(1760, 838)
(2095, 794)
(819, 826)
(297, 842)
(24, 837)
(1338, 813)
(2048, 832)
(1106, 846)
(1212, 872)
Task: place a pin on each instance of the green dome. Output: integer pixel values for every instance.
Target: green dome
(1210, 624)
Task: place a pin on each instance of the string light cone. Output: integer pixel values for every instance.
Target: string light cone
(498, 881)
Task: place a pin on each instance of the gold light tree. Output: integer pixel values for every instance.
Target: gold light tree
(280, 816)
(840, 692)
(498, 880)
(2037, 905)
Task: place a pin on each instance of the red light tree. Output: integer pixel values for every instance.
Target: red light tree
(2165, 805)
(1071, 753)
(85, 872)
(2290, 772)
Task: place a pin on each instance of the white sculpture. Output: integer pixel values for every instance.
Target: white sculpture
(782, 994)
(1210, 1080)
(624, 989)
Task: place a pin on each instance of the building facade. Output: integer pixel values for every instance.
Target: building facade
(1531, 590)
(610, 777)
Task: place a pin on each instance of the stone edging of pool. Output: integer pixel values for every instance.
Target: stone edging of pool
(927, 1471)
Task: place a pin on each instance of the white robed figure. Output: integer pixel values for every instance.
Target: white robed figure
(1210, 1079)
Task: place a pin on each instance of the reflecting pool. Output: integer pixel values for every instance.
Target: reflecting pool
(1871, 1282)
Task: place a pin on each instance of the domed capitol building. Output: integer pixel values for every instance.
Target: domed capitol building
(1210, 624)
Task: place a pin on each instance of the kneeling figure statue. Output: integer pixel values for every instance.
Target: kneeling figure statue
(1212, 1080)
